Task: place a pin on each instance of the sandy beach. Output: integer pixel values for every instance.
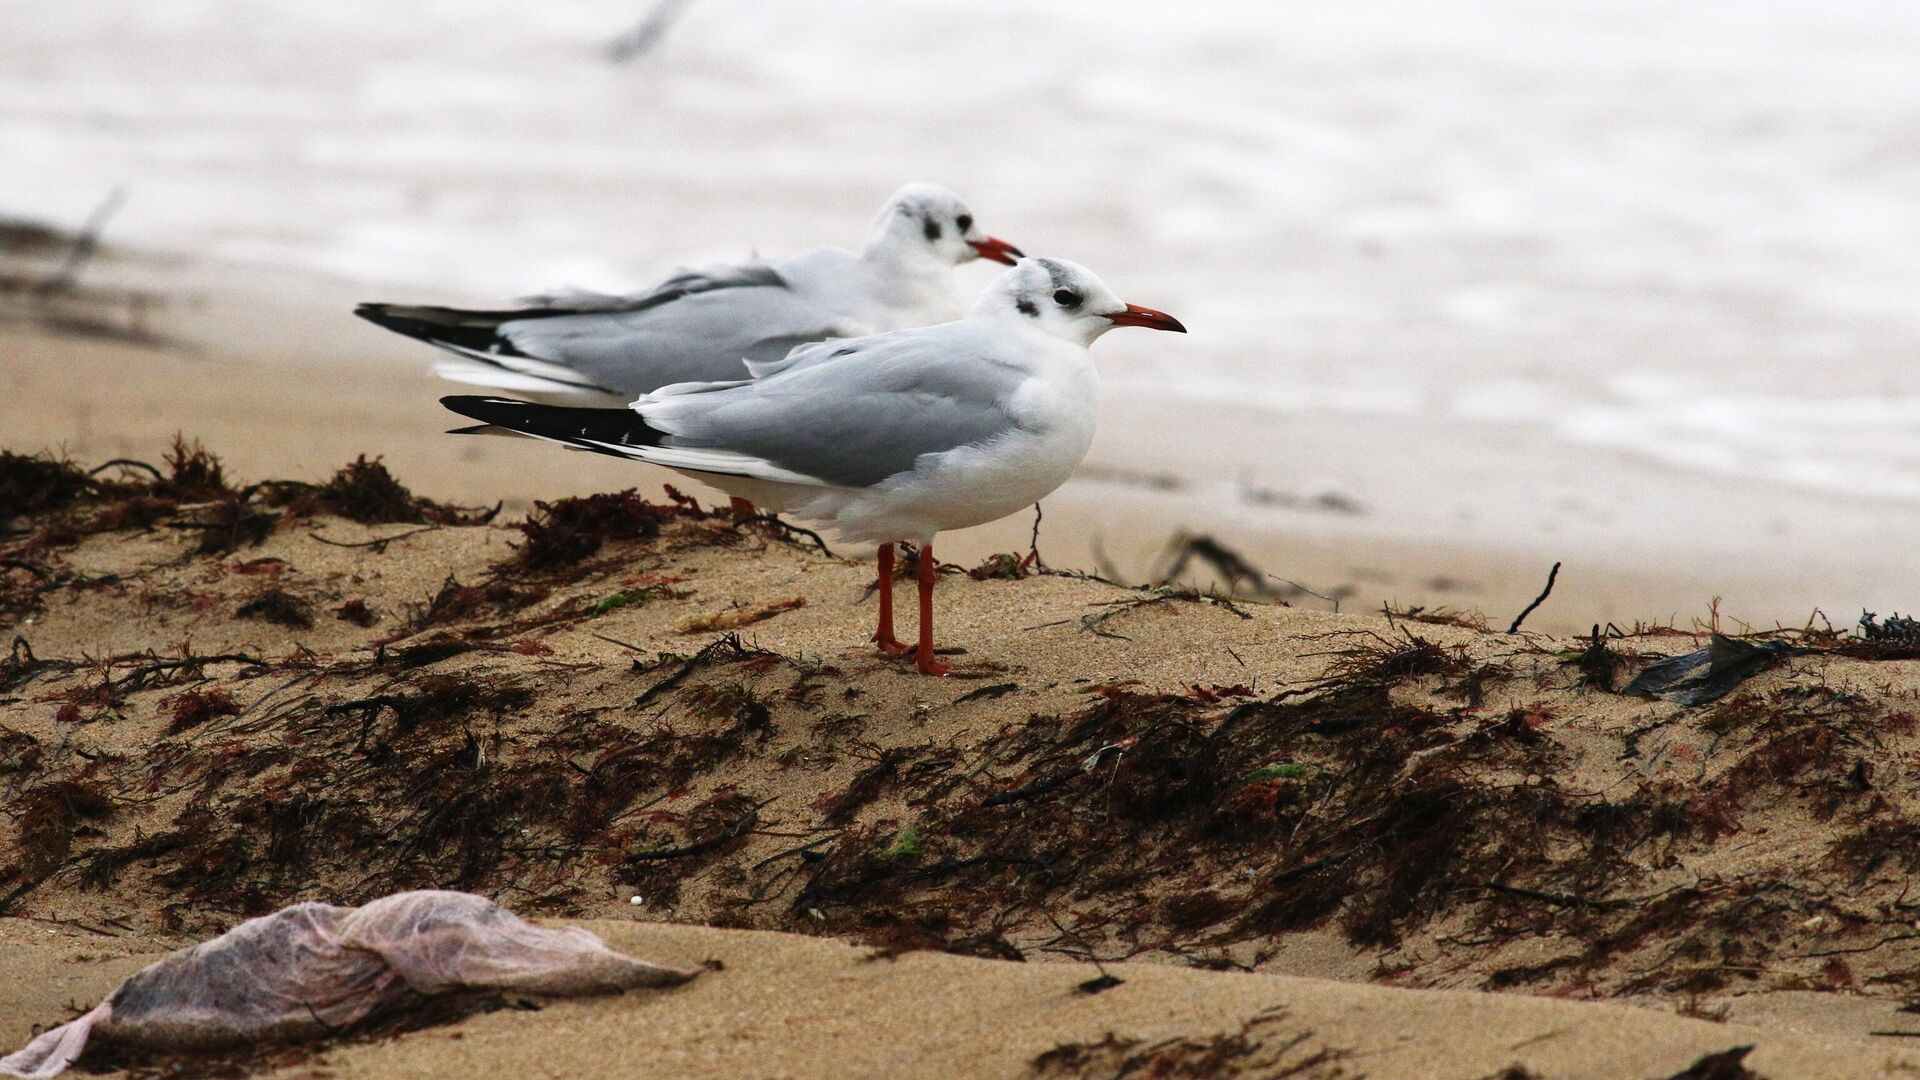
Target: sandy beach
(683, 742)
(789, 1006)
(1472, 652)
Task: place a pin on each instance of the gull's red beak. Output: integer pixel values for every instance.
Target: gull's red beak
(1135, 315)
(997, 249)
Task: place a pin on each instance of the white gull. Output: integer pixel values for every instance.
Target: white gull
(708, 324)
(891, 437)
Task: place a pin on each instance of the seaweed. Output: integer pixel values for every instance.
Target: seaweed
(356, 612)
(1385, 661)
(20, 752)
(1004, 566)
(563, 533)
(70, 504)
(193, 473)
(1598, 664)
(32, 484)
(1896, 629)
(455, 603)
(47, 818)
(366, 492)
(228, 524)
(1416, 800)
(279, 607)
(196, 707)
(838, 808)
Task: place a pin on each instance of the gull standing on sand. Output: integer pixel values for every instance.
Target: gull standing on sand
(709, 324)
(892, 437)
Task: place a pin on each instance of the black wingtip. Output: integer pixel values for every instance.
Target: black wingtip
(402, 320)
(477, 331)
(377, 314)
(480, 407)
(590, 429)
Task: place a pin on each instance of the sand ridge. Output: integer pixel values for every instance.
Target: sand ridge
(554, 717)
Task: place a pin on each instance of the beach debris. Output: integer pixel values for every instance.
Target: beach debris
(906, 845)
(1708, 674)
(738, 617)
(567, 531)
(195, 707)
(278, 606)
(616, 601)
(1896, 629)
(311, 969)
(356, 612)
(734, 830)
(37, 483)
(1597, 663)
(1552, 576)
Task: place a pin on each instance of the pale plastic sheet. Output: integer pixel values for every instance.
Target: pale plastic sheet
(313, 968)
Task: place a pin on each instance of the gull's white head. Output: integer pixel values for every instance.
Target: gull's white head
(1066, 300)
(929, 222)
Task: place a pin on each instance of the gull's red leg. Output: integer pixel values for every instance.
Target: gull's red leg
(889, 645)
(742, 508)
(929, 570)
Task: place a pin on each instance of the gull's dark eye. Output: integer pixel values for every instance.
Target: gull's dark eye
(1066, 298)
(965, 221)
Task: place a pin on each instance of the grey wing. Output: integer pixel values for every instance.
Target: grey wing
(702, 325)
(869, 414)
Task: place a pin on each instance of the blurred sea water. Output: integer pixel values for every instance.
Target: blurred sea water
(1668, 240)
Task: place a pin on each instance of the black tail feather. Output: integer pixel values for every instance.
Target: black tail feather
(603, 431)
(476, 330)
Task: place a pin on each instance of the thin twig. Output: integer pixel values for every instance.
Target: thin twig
(125, 463)
(379, 545)
(1323, 596)
(1033, 543)
(1537, 601)
(616, 641)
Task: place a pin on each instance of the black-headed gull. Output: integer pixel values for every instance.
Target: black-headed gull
(891, 437)
(706, 325)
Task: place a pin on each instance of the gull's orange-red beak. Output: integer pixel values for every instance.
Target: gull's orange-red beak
(998, 250)
(1135, 315)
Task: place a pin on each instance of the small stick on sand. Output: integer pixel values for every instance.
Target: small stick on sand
(1537, 601)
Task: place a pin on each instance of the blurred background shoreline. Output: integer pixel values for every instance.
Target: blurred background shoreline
(1475, 288)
